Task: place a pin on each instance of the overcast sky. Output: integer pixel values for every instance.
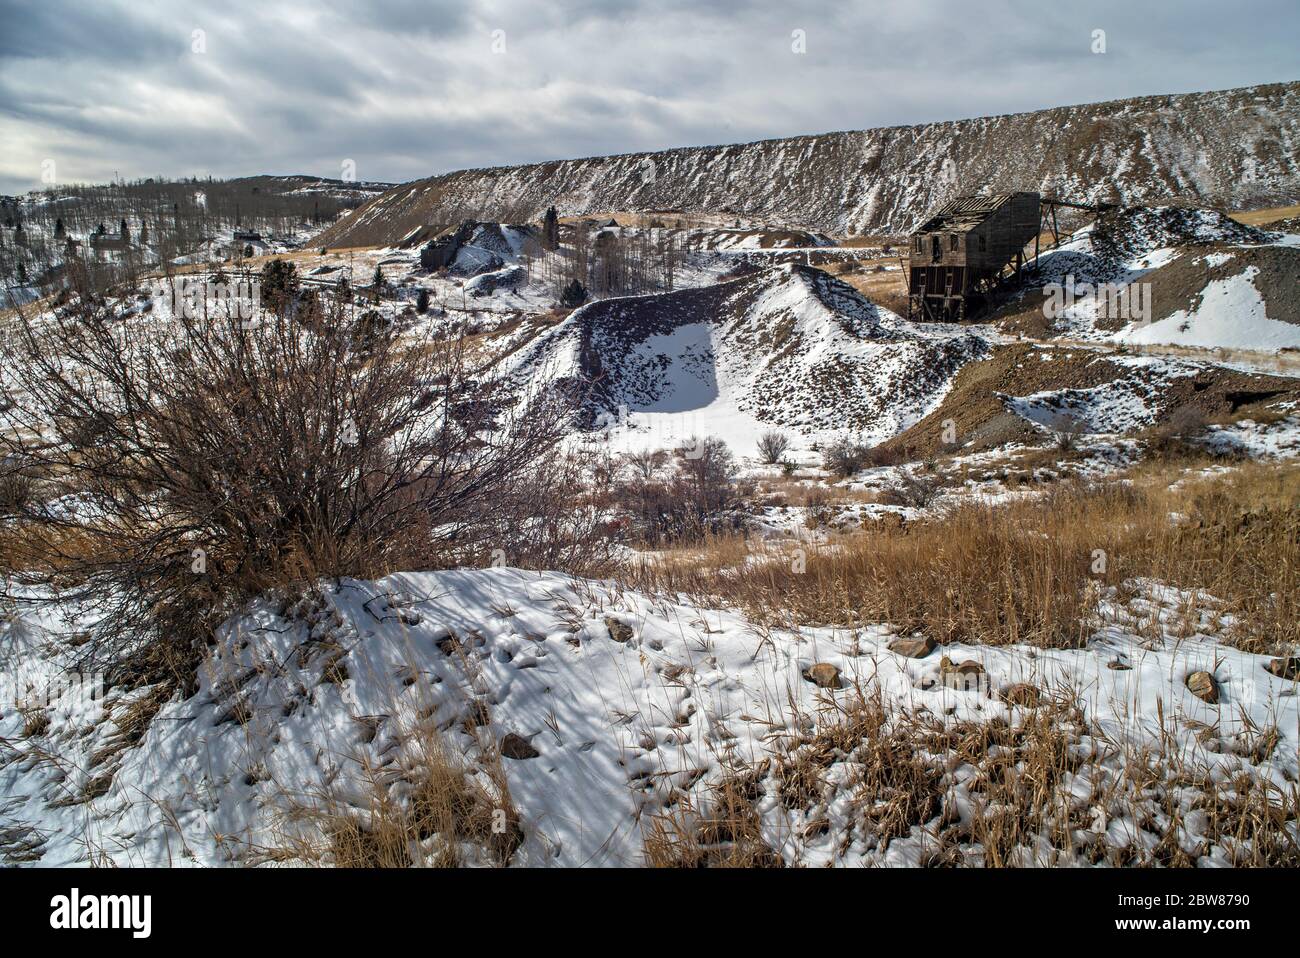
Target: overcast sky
(410, 88)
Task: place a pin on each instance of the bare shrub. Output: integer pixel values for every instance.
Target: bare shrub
(845, 456)
(696, 498)
(705, 480)
(647, 464)
(1187, 422)
(772, 446)
(1066, 431)
(915, 491)
(211, 459)
(1179, 435)
(819, 509)
(556, 516)
(885, 456)
(17, 489)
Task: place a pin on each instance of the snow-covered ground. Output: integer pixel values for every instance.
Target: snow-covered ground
(1121, 406)
(628, 705)
(1135, 248)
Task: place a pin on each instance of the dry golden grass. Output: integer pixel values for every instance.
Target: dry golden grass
(1037, 789)
(722, 831)
(1033, 570)
(1265, 216)
(439, 808)
(887, 288)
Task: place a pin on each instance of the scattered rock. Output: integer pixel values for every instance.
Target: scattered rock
(1022, 694)
(823, 674)
(1204, 687)
(618, 631)
(1286, 668)
(965, 676)
(1118, 666)
(914, 648)
(969, 667)
(517, 747)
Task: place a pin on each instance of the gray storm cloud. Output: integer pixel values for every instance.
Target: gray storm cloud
(407, 89)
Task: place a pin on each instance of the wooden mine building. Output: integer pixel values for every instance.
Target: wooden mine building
(959, 256)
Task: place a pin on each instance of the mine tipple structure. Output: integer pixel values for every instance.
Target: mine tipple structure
(965, 250)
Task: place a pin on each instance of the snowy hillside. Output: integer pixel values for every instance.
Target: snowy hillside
(788, 347)
(1232, 148)
(1205, 280)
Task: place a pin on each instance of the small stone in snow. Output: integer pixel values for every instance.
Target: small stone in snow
(517, 747)
(966, 676)
(618, 631)
(1285, 668)
(1204, 687)
(823, 675)
(917, 648)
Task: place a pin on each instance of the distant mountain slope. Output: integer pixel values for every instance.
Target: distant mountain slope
(1236, 148)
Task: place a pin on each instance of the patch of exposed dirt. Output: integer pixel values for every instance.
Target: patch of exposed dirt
(1181, 284)
(981, 419)
(977, 410)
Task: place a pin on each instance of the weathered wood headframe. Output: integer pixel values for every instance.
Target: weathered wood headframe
(960, 255)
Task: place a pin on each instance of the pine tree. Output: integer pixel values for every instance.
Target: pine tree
(551, 229)
(58, 228)
(378, 282)
(422, 301)
(574, 295)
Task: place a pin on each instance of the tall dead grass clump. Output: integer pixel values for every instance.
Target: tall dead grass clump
(429, 810)
(1035, 570)
(1040, 786)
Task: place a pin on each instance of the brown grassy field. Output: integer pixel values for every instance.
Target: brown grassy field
(1266, 216)
(1026, 571)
